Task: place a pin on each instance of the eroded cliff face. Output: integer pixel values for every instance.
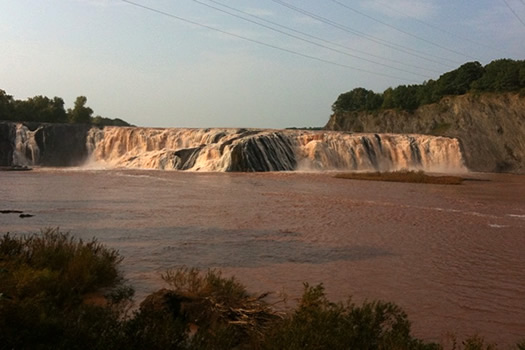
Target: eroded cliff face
(43, 144)
(490, 127)
(7, 147)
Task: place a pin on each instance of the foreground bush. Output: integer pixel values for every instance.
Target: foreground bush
(318, 323)
(57, 292)
(49, 283)
(218, 312)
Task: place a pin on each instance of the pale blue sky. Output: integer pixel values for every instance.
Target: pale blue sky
(153, 69)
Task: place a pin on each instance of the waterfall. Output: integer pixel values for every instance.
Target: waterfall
(227, 149)
(270, 150)
(26, 150)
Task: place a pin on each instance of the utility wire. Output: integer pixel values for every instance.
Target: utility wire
(439, 28)
(514, 12)
(310, 41)
(322, 39)
(167, 14)
(407, 50)
(401, 30)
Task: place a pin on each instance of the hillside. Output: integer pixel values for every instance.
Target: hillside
(489, 126)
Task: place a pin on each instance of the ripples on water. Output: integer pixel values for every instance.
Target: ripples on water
(451, 256)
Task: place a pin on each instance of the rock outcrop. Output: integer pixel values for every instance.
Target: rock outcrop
(7, 147)
(43, 144)
(489, 127)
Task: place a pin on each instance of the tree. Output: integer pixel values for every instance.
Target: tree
(6, 106)
(458, 81)
(357, 100)
(402, 97)
(502, 75)
(41, 109)
(80, 114)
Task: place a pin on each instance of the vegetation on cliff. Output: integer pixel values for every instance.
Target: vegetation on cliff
(57, 292)
(504, 75)
(43, 109)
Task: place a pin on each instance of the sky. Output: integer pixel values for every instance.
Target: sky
(241, 63)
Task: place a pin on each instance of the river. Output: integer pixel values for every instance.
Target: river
(451, 256)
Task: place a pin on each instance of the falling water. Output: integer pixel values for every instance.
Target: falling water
(244, 150)
(26, 150)
(271, 150)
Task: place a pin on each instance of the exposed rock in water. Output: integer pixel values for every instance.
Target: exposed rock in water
(489, 127)
(268, 152)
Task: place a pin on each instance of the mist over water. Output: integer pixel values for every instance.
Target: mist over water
(451, 256)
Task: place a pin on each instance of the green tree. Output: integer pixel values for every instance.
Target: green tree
(80, 113)
(458, 81)
(502, 75)
(41, 109)
(405, 97)
(425, 93)
(357, 100)
(6, 106)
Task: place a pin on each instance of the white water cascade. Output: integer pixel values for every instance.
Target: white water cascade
(26, 151)
(270, 150)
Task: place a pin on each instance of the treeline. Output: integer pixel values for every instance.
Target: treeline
(503, 75)
(46, 110)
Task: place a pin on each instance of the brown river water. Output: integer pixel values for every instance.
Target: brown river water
(453, 257)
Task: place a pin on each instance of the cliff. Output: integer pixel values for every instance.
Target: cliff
(489, 127)
(43, 144)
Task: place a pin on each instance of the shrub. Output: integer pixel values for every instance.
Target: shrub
(318, 323)
(223, 312)
(45, 280)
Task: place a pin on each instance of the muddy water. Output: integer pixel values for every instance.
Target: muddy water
(451, 256)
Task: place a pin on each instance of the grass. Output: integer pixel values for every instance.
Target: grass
(404, 176)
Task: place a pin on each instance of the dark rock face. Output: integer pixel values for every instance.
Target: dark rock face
(7, 134)
(268, 152)
(490, 127)
(58, 144)
(185, 158)
(62, 144)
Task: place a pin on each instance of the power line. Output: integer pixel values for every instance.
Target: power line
(170, 15)
(455, 35)
(514, 12)
(320, 39)
(401, 48)
(401, 30)
(310, 41)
